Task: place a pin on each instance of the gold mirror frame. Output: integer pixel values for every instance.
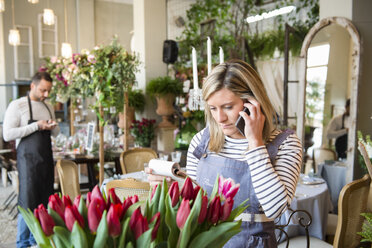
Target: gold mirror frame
(355, 64)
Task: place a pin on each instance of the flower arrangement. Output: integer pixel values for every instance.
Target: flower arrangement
(143, 131)
(367, 142)
(171, 218)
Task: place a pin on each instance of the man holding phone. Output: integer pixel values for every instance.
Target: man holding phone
(30, 121)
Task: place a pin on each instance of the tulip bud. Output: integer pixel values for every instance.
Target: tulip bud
(66, 200)
(155, 218)
(196, 191)
(138, 223)
(226, 208)
(89, 198)
(46, 221)
(183, 213)
(113, 198)
(213, 214)
(126, 204)
(96, 193)
(133, 199)
(77, 201)
(187, 191)
(95, 211)
(56, 204)
(113, 220)
(153, 191)
(174, 193)
(203, 209)
(72, 215)
(227, 187)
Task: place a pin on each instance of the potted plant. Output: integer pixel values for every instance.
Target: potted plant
(136, 102)
(143, 132)
(164, 89)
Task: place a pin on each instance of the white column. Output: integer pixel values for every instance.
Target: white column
(85, 29)
(2, 72)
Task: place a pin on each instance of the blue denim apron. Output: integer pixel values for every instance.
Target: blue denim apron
(253, 234)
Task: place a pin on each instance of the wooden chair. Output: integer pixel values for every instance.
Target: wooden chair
(320, 155)
(133, 160)
(129, 187)
(69, 178)
(352, 202)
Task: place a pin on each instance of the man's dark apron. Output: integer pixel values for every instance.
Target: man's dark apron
(253, 234)
(341, 142)
(35, 167)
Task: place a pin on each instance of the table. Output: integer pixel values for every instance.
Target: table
(316, 200)
(335, 176)
(139, 175)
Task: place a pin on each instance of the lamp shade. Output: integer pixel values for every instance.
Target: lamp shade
(66, 50)
(14, 37)
(48, 17)
(33, 1)
(2, 5)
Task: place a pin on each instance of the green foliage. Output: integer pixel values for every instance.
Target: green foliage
(366, 232)
(136, 100)
(161, 86)
(367, 143)
(314, 99)
(112, 75)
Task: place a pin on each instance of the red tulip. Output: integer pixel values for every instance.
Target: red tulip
(133, 199)
(187, 191)
(183, 213)
(96, 193)
(95, 211)
(89, 198)
(153, 191)
(46, 221)
(138, 223)
(126, 204)
(203, 209)
(213, 214)
(155, 218)
(113, 219)
(227, 187)
(113, 198)
(72, 215)
(66, 200)
(196, 191)
(77, 201)
(174, 193)
(56, 204)
(226, 208)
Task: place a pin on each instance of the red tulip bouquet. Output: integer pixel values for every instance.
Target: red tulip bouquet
(171, 218)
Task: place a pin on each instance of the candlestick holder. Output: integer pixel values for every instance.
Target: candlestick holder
(195, 101)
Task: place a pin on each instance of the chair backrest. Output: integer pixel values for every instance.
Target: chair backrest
(133, 160)
(129, 187)
(322, 154)
(69, 178)
(352, 202)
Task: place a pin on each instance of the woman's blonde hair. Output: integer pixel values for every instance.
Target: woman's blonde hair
(240, 78)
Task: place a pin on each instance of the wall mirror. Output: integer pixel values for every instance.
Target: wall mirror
(330, 58)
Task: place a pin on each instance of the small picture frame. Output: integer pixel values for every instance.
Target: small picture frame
(91, 128)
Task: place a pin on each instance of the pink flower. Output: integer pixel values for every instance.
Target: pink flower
(138, 223)
(226, 208)
(46, 221)
(77, 201)
(174, 193)
(112, 197)
(72, 215)
(56, 204)
(183, 213)
(66, 200)
(156, 219)
(213, 214)
(227, 187)
(91, 59)
(95, 211)
(187, 191)
(113, 219)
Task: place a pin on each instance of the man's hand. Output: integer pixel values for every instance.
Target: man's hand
(46, 125)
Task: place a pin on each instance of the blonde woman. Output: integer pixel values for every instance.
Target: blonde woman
(265, 161)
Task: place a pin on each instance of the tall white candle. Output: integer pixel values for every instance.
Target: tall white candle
(194, 69)
(221, 55)
(209, 55)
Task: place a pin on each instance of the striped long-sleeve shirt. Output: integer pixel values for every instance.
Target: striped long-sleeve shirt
(274, 185)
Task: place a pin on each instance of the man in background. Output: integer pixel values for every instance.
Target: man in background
(338, 128)
(30, 121)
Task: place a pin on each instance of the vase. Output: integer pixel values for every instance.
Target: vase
(130, 118)
(165, 109)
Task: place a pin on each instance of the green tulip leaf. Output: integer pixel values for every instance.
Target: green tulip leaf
(132, 208)
(145, 239)
(124, 230)
(129, 245)
(163, 230)
(215, 188)
(102, 232)
(78, 238)
(154, 204)
(62, 236)
(216, 236)
(238, 210)
(35, 227)
(170, 221)
(191, 222)
(57, 219)
(83, 209)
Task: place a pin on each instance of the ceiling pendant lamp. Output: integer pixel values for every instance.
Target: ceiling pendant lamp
(66, 49)
(2, 5)
(48, 16)
(33, 1)
(14, 38)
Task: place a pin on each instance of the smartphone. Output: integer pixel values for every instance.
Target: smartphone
(240, 123)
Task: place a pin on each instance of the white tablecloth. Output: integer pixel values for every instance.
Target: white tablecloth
(316, 200)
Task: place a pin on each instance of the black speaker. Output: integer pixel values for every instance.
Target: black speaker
(170, 51)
